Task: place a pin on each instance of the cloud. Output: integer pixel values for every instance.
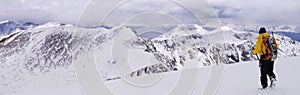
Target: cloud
(231, 11)
(136, 8)
(258, 11)
(184, 10)
(40, 11)
(226, 12)
(69, 11)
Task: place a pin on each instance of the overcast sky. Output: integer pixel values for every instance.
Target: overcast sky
(230, 11)
(41, 11)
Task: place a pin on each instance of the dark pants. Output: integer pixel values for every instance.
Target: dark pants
(266, 68)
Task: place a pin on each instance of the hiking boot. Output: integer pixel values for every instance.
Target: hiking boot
(263, 87)
(272, 82)
(273, 79)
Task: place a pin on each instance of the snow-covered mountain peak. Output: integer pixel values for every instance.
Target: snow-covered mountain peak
(184, 30)
(189, 28)
(50, 24)
(6, 21)
(7, 27)
(226, 28)
(9, 23)
(285, 28)
(30, 24)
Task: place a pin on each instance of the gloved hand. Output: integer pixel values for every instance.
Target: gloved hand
(252, 49)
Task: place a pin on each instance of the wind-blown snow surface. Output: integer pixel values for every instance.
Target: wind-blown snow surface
(243, 78)
(41, 57)
(238, 79)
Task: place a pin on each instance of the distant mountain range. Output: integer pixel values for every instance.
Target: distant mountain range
(7, 27)
(293, 31)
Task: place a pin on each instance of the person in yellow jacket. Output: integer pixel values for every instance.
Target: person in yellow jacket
(266, 64)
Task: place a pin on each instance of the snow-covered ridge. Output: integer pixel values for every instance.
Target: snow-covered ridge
(52, 24)
(26, 54)
(189, 45)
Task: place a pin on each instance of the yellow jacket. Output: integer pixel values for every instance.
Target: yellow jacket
(260, 48)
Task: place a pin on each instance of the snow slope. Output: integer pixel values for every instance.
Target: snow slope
(238, 79)
(33, 54)
(243, 78)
